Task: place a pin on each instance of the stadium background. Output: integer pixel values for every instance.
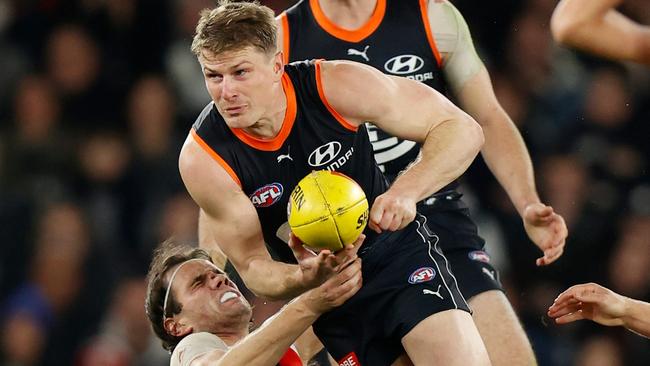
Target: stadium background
(96, 97)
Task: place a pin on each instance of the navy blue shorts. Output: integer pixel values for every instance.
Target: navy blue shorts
(406, 279)
(461, 244)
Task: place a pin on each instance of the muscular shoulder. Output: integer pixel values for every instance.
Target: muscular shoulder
(204, 172)
(188, 150)
(344, 83)
(348, 73)
(195, 345)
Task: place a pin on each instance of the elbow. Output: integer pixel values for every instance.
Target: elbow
(474, 135)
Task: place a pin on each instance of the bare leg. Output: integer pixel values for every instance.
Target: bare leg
(503, 335)
(447, 338)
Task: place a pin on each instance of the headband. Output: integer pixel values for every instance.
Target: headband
(169, 285)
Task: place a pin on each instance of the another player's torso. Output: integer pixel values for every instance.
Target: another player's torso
(395, 41)
(310, 139)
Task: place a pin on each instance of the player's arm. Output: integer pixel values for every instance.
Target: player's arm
(602, 305)
(504, 149)
(595, 26)
(268, 343)
(208, 242)
(637, 318)
(230, 219)
(410, 110)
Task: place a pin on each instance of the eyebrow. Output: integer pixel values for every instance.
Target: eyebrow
(237, 66)
(198, 278)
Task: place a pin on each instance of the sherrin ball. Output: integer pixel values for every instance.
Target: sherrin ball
(327, 210)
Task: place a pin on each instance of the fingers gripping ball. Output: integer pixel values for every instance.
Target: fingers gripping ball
(327, 210)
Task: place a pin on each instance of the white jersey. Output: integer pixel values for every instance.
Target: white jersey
(193, 346)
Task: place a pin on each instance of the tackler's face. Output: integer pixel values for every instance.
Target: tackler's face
(241, 83)
(209, 300)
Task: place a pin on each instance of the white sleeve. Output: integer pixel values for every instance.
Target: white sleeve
(454, 42)
(193, 346)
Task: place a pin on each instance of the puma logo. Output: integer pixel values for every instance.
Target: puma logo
(429, 292)
(353, 52)
(285, 156)
(488, 273)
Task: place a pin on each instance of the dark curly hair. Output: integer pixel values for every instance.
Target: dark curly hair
(166, 256)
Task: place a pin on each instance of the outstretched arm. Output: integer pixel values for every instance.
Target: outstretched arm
(267, 344)
(604, 306)
(595, 26)
(504, 149)
(507, 157)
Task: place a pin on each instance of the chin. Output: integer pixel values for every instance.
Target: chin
(238, 122)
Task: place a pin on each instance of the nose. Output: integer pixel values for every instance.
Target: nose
(217, 280)
(228, 90)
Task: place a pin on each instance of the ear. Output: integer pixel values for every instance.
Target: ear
(278, 64)
(176, 328)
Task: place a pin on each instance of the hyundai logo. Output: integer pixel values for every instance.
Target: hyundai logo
(404, 64)
(324, 154)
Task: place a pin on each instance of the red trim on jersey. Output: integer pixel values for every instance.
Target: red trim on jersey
(285, 36)
(344, 34)
(290, 358)
(289, 118)
(321, 94)
(215, 156)
(427, 29)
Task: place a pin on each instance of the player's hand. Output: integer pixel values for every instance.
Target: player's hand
(337, 289)
(547, 230)
(588, 301)
(391, 212)
(349, 252)
(317, 268)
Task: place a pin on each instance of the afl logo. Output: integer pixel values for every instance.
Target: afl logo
(267, 195)
(324, 154)
(404, 64)
(423, 274)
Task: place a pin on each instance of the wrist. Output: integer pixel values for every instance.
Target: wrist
(629, 314)
(522, 207)
(402, 190)
(306, 305)
(293, 284)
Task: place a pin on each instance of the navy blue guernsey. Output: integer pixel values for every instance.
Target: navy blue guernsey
(389, 42)
(313, 137)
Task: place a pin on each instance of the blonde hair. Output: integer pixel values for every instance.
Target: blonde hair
(232, 26)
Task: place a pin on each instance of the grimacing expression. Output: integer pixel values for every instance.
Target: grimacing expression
(208, 298)
(241, 84)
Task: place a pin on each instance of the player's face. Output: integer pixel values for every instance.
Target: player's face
(210, 301)
(241, 84)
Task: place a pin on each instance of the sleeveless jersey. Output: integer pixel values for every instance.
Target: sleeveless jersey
(396, 40)
(312, 137)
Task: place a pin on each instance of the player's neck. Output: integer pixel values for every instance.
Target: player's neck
(270, 124)
(348, 14)
(231, 338)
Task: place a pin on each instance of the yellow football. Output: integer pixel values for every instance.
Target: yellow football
(327, 210)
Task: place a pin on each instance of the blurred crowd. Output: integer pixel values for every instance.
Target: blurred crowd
(96, 97)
